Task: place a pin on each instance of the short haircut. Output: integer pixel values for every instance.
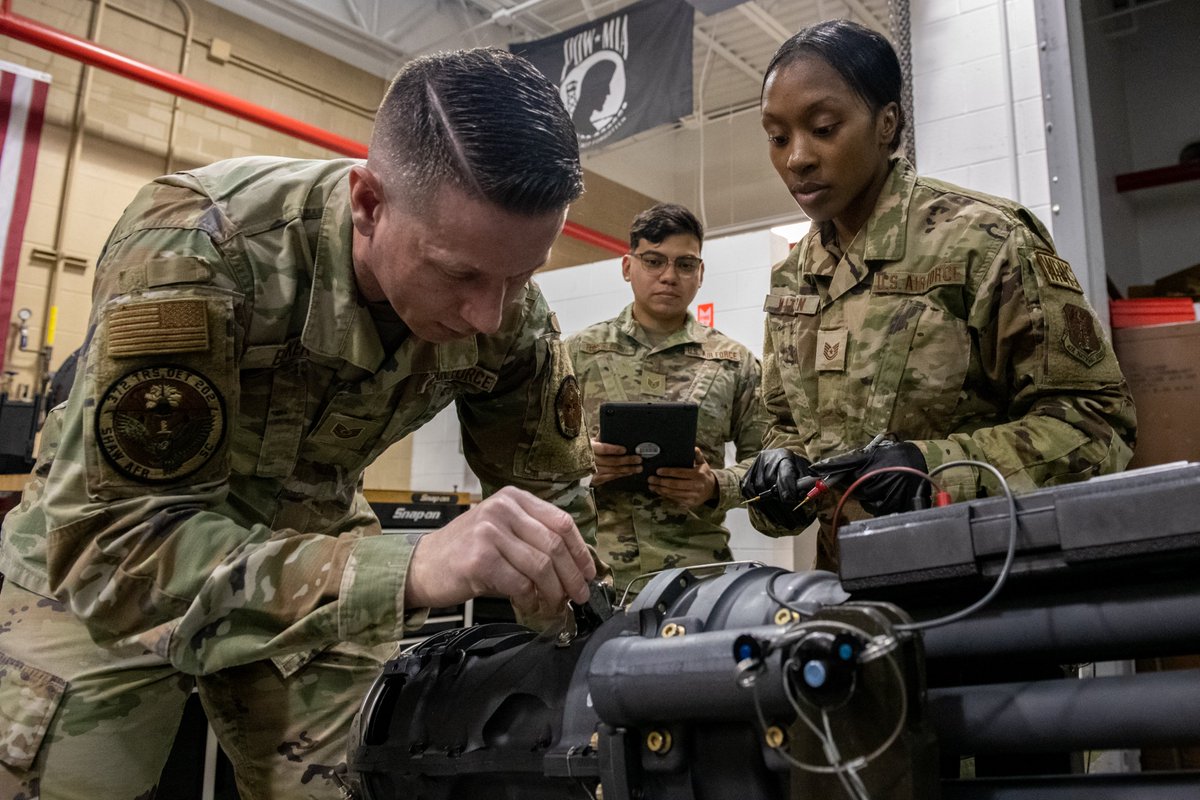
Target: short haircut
(660, 221)
(863, 57)
(484, 121)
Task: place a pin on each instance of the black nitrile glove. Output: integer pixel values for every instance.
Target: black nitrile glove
(779, 479)
(888, 492)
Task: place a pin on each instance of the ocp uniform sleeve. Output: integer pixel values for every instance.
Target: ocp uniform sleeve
(780, 429)
(529, 431)
(1070, 413)
(142, 540)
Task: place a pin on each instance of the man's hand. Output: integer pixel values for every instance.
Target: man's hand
(612, 462)
(687, 487)
(511, 545)
(776, 484)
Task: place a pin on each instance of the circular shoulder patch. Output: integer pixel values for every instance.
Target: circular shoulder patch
(568, 407)
(161, 423)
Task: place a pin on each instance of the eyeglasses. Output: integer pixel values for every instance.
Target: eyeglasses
(655, 263)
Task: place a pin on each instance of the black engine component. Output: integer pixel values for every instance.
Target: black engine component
(655, 702)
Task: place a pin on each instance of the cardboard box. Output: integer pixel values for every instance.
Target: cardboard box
(1160, 362)
(1185, 282)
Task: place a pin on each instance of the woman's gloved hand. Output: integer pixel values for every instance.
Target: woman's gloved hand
(776, 483)
(888, 492)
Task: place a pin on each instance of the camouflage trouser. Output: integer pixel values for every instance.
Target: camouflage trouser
(78, 722)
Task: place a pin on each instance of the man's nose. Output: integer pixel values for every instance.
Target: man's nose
(483, 310)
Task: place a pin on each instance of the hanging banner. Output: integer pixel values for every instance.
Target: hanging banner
(623, 73)
(22, 105)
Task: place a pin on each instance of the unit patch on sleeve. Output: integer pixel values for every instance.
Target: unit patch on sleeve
(1081, 339)
(568, 407)
(1056, 271)
(161, 423)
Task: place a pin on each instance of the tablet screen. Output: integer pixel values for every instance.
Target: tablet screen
(663, 434)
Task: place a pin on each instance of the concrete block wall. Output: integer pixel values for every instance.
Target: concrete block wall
(978, 107)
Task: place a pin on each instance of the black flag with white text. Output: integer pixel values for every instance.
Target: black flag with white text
(623, 73)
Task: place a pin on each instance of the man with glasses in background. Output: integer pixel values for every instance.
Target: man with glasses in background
(656, 351)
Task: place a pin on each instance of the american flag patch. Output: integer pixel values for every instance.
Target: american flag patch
(167, 326)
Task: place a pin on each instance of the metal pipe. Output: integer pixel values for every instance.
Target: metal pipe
(184, 54)
(1159, 709)
(236, 59)
(1095, 624)
(74, 150)
(1014, 165)
(56, 41)
(595, 238)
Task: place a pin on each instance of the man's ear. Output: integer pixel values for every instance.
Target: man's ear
(366, 199)
(626, 264)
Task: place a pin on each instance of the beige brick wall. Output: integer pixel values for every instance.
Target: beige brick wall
(125, 141)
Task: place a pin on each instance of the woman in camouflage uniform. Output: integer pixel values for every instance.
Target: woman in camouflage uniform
(936, 314)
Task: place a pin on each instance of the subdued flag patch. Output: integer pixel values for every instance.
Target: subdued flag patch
(161, 326)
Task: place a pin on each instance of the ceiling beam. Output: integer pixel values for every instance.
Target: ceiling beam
(868, 16)
(341, 38)
(355, 14)
(765, 22)
(724, 52)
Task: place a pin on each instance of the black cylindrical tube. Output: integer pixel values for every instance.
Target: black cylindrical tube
(634, 680)
(1156, 709)
(1149, 786)
(1102, 624)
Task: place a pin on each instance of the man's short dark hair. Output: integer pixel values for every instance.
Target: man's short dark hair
(484, 121)
(660, 221)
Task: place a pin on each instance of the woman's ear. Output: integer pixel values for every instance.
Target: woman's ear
(887, 121)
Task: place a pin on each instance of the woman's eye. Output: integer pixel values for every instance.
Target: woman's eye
(824, 130)
(777, 140)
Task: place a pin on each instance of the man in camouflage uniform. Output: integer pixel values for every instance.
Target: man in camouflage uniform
(262, 330)
(656, 351)
(950, 323)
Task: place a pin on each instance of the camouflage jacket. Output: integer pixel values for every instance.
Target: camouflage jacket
(640, 532)
(203, 500)
(950, 322)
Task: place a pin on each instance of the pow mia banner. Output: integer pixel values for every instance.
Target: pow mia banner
(623, 73)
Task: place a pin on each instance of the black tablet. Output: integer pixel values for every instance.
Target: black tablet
(663, 434)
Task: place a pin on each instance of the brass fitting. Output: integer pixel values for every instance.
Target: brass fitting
(775, 737)
(658, 742)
